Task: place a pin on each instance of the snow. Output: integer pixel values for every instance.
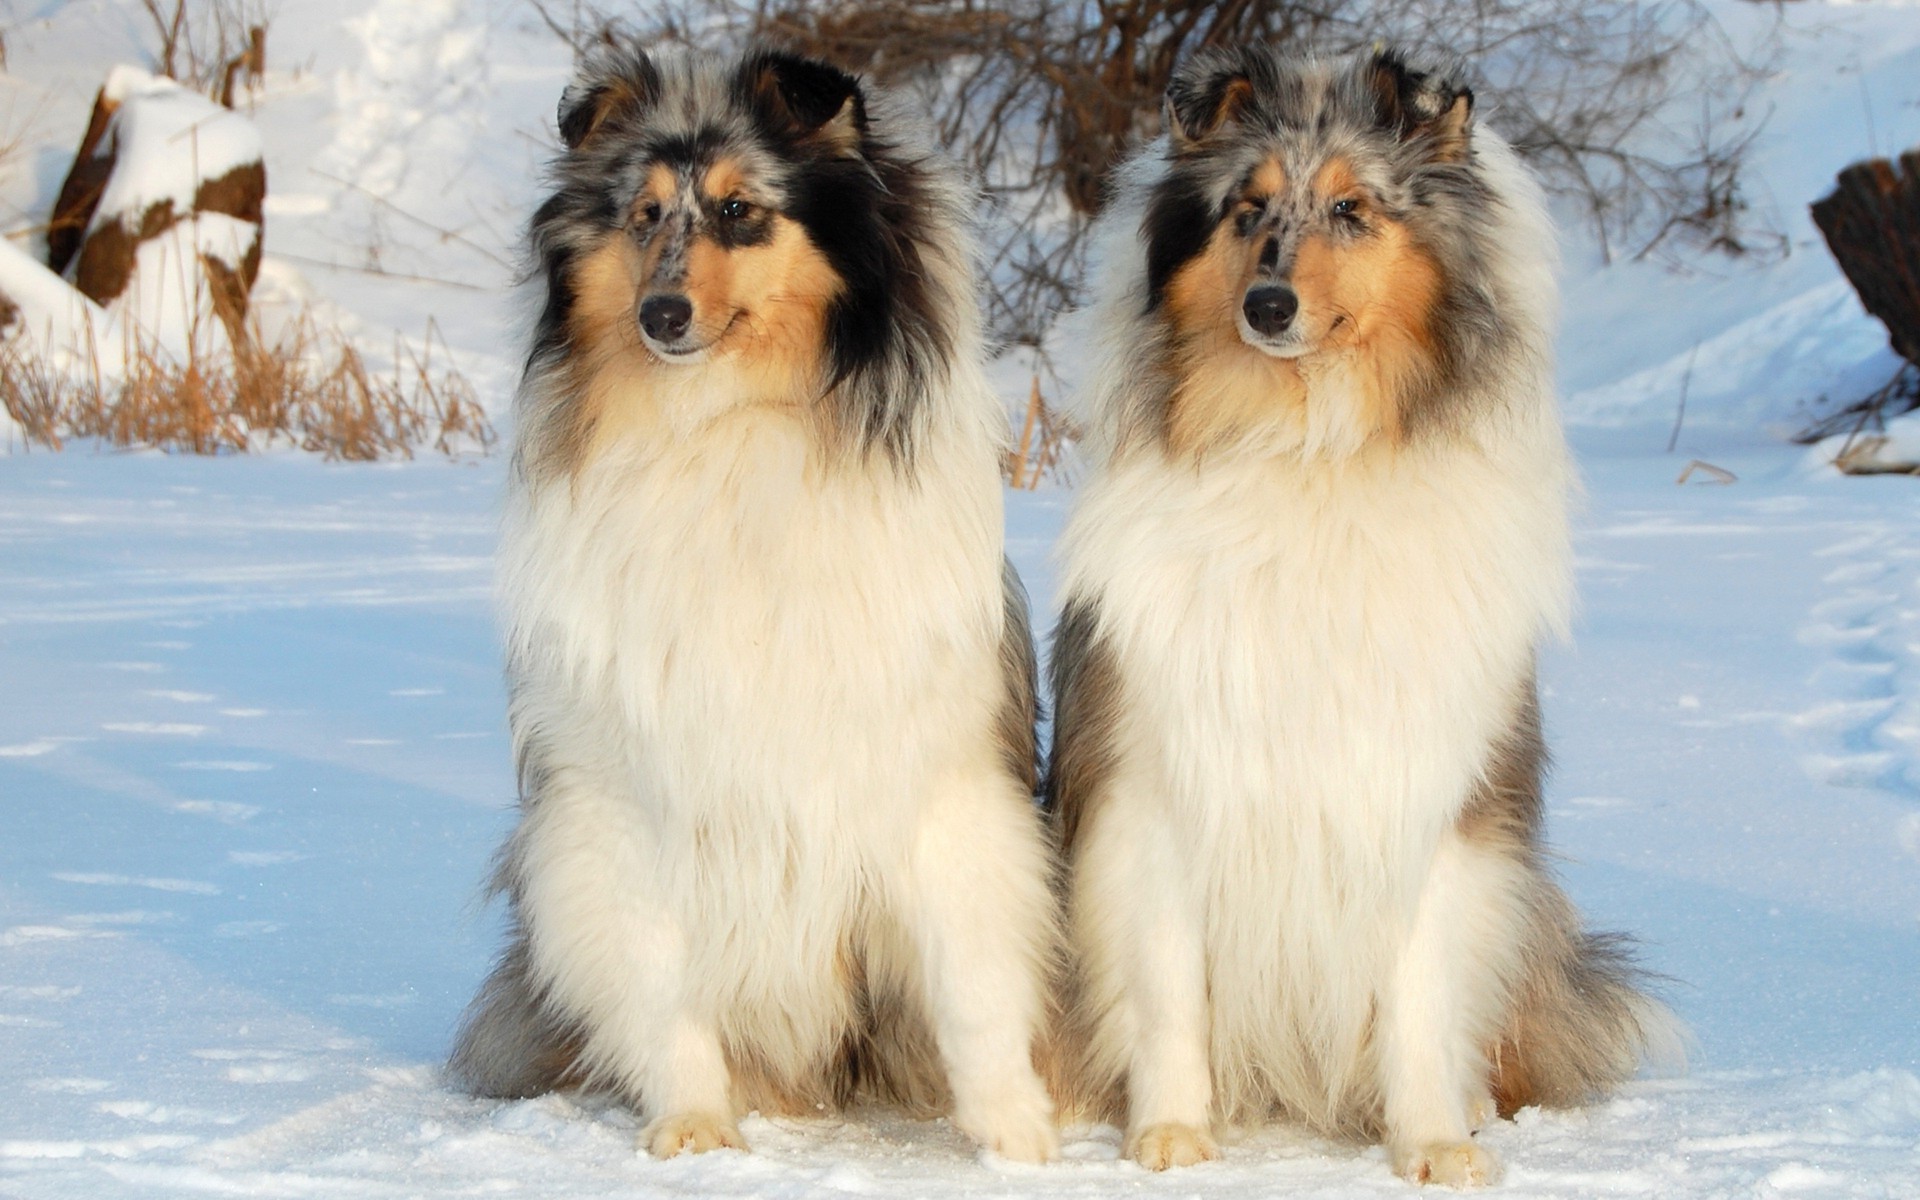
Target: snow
(168, 297)
(56, 321)
(253, 760)
(254, 764)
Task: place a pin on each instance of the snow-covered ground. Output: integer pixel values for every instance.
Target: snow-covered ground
(253, 763)
(252, 766)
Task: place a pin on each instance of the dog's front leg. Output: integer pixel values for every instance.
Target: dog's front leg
(1442, 1004)
(1145, 949)
(610, 954)
(980, 915)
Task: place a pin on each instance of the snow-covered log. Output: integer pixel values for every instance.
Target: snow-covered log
(159, 218)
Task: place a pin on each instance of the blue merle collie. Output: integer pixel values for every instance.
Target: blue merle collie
(771, 681)
(1297, 761)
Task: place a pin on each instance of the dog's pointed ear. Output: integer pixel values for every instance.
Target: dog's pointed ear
(1205, 97)
(807, 100)
(1431, 108)
(610, 83)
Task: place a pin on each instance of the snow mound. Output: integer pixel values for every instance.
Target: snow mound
(56, 323)
(1816, 344)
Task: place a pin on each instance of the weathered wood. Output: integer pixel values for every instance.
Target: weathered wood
(1872, 224)
(80, 191)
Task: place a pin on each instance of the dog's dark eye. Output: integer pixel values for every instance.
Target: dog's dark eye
(1346, 208)
(1248, 217)
(735, 209)
(650, 212)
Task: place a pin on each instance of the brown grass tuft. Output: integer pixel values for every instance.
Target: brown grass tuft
(310, 388)
(1041, 452)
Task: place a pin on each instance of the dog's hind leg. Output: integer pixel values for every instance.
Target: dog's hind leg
(1445, 998)
(976, 905)
(611, 955)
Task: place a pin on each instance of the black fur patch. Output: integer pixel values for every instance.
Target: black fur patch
(864, 208)
(865, 217)
(556, 266)
(798, 95)
(1179, 222)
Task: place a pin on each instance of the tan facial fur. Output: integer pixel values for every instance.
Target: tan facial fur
(1376, 294)
(1226, 388)
(1365, 305)
(761, 310)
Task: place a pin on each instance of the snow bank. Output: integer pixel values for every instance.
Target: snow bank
(1819, 343)
(55, 322)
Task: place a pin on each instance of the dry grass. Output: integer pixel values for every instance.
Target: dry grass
(307, 388)
(1042, 449)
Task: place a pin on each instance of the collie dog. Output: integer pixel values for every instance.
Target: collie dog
(1296, 768)
(771, 681)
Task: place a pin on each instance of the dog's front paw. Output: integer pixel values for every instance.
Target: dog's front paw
(1158, 1147)
(695, 1132)
(1019, 1127)
(1453, 1164)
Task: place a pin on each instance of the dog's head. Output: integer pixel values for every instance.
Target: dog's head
(711, 191)
(1295, 222)
(741, 216)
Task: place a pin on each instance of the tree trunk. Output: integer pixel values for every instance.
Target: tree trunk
(1872, 225)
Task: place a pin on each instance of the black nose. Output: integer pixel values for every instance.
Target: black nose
(1270, 309)
(665, 318)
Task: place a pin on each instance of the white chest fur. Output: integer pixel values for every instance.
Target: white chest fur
(736, 617)
(1338, 634)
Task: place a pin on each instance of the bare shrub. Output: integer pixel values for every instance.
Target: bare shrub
(1864, 421)
(307, 387)
(209, 45)
(584, 25)
(1638, 112)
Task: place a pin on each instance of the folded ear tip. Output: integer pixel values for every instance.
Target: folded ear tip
(806, 94)
(608, 79)
(1209, 93)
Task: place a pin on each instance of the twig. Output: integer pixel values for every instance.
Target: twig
(1872, 409)
(382, 271)
(1714, 474)
(1681, 415)
(445, 234)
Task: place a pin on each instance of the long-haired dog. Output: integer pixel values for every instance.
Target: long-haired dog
(771, 682)
(1297, 760)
